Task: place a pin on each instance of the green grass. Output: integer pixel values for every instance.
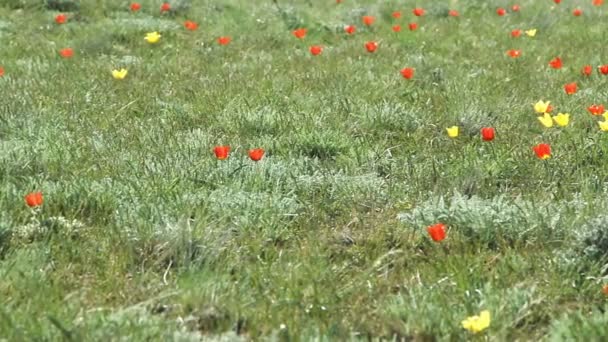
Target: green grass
(144, 235)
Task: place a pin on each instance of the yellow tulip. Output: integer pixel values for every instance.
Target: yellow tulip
(562, 119)
(546, 120)
(603, 125)
(452, 131)
(152, 37)
(531, 33)
(605, 115)
(479, 323)
(541, 106)
(119, 74)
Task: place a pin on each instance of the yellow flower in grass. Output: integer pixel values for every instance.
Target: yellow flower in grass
(562, 119)
(603, 125)
(531, 32)
(546, 120)
(452, 131)
(152, 37)
(605, 115)
(541, 106)
(479, 323)
(119, 74)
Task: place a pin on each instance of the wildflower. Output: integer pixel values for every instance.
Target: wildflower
(546, 120)
(418, 11)
(407, 73)
(299, 33)
(557, 1)
(515, 8)
(603, 69)
(396, 28)
(577, 12)
(488, 133)
(256, 154)
(412, 26)
(34, 199)
(605, 289)
(316, 50)
(190, 25)
(514, 53)
(437, 232)
(1, 71)
(501, 11)
(61, 18)
(531, 32)
(453, 13)
(224, 40)
(596, 109)
(66, 52)
(152, 37)
(119, 74)
(371, 46)
(603, 125)
(542, 107)
(221, 152)
(570, 88)
(135, 7)
(543, 151)
(165, 7)
(562, 119)
(515, 33)
(598, 3)
(479, 323)
(368, 20)
(350, 29)
(452, 131)
(556, 63)
(586, 70)
(396, 14)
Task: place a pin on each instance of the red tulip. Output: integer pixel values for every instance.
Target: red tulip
(419, 12)
(605, 289)
(488, 133)
(407, 73)
(350, 29)
(256, 154)
(514, 53)
(587, 70)
(412, 26)
(543, 151)
(368, 20)
(396, 14)
(577, 12)
(501, 11)
(316, 50)
(515, 33)
(515, 8)
(570, 88)
(1, 71)
(557, 1)
(437, 232)
(453, 13)
(299, 33)
(135, 6)
(34, 199)
(603, 69)
(556, 63)
(221, 152)
(596, 109)
(371, 46)
(66, 52)
(165, 7)
(224, 40)
(190, 25)
(396, 28)
(598, 2)
(61, 18)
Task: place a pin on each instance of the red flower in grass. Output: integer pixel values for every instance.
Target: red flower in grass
(190, 25)
(350, 29)
(488, 133)
(221, 152)
(165, 7)
(396, 28)
(516, 33)
(66, 52)
(596, 109)
(437, 232)
(412, 26)
(598, 2)
(543, 151)
(61, 18)
(224, 40)
(135, 7)
(34, 199)
(514, 53)
(453, 13)
(587, 70)
(407, 73)
(577, 12)
(299, 33)
(501, 11)
(256, 154)
(419, 12)
(570, 88)
(396, 14)
(605, 289)
(371, 46)
(557, 1)
(368, 20)
(603, 69)
(556, 63)
(316, 50)
(1, 71)
(515, 8)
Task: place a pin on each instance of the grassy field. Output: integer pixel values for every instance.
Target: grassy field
(144, 234)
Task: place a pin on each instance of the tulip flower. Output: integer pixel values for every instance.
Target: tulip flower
(66, 53)
(546, 120)
(514, 53)
(587, 70)
(452, 131)
(577, 12)
(119, 74)
(562, 119)
(61, 18)
(570, 88)
(412, 26)
(501, 11)
(221, 152)
(224, 40)
(396, 14)
(407, 73)
(556, 63)
(557, 1)
(299, 33)
(603, 125)
(190, 25)
(453, 13)
(418, 11)
(477, 324)
(531, 32)
(542, 107)
(515, 33)
(515, 8)
(135, 7)
(1, 71)
(152, 37)
(396, 28)
(542, 151)
(256, 154)
(596, 109)
(350, 29)
(34, 199)
(488, 133)
(368, 20)
(598, 2)
(316, 50)
(165, 7)
(437, 232)
(371, 46)
(603, 69)
(605, 289)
